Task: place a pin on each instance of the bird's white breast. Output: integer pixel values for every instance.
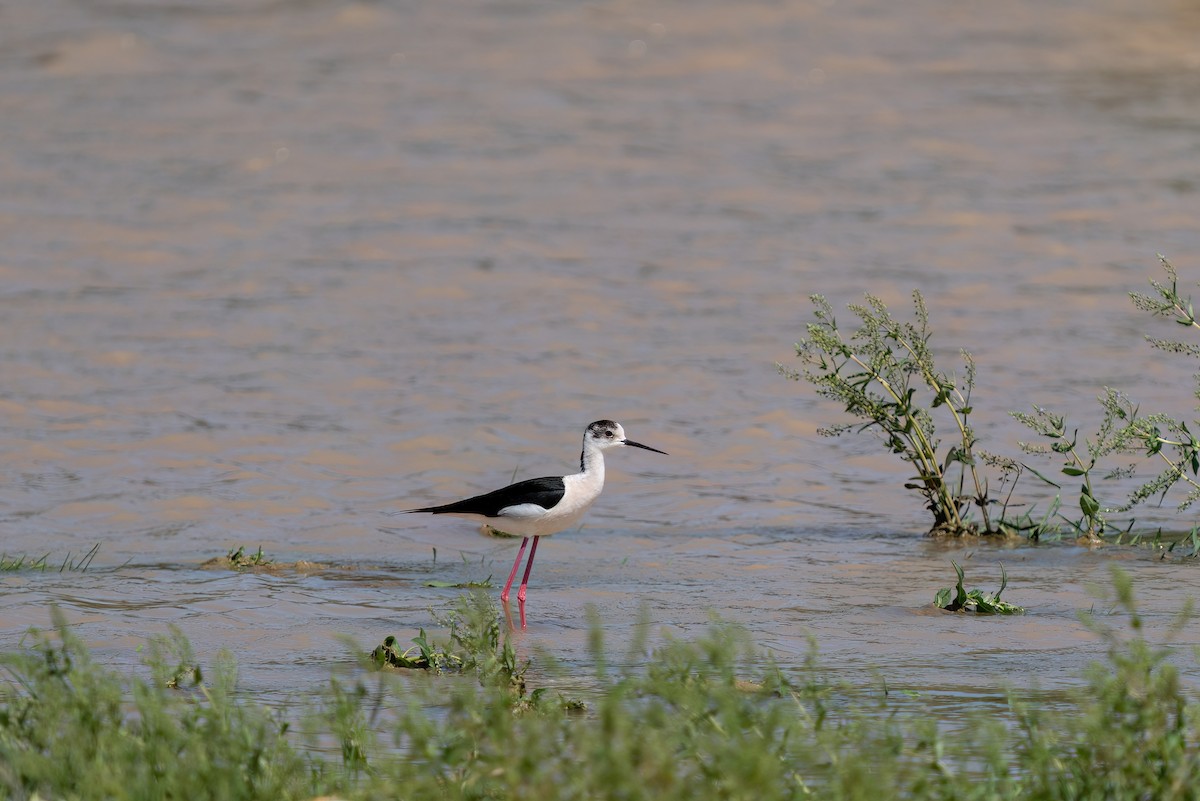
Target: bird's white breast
(530, 520)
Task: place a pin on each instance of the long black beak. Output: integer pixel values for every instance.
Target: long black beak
(633, 444)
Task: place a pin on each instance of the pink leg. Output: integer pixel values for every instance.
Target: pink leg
(525, 581)
(513, 574)
(528, 567)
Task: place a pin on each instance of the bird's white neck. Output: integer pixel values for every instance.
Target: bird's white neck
(591, 463)
(585, 486)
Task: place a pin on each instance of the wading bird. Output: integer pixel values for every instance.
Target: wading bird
(539, 507)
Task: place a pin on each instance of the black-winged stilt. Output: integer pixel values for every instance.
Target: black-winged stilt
(539, 507)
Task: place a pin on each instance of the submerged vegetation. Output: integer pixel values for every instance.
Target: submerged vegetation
(69, 564)
(883, 374)
(710, 718)
(258, 562)
(238, 558)
(977, 601)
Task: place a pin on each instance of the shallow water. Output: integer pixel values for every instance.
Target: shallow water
(271, 270)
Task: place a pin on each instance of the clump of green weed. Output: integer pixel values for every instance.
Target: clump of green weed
(474, 645)
(1136, 731)
(1163, 437)
(12, 564)
(239, 559)
(1113, 436)
(884, 374)
(420, 656)
(42, 564)
(71, 729)
(976, 600)
(1125, 429)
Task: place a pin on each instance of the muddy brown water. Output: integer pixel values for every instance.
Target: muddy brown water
(270, 270)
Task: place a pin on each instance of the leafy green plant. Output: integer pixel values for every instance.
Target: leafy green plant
(239, 559)
(1170, 440)
(884, 374)
(422, 655)
(1126, 430)
(1113, 436)
(343, 710)
(976, 601)
(172, 661)
(474, 645)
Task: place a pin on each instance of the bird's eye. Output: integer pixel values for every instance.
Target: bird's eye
(608, 434)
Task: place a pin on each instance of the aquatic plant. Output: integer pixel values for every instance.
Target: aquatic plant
(1124, 429)
(977, 601)
(1113, 436)
(474, 645)
(80, 564)
(884, 374)
(238, 558)
(420, 656)
(1177, 447)
(11, 564)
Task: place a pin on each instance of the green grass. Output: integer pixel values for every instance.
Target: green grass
(708, 718)
(14, 564)
(71, 729)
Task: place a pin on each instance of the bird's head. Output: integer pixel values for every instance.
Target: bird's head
(605, 434)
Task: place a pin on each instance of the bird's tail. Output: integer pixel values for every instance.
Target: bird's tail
(448, 508)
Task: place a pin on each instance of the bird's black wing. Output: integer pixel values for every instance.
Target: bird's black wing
(545, 492)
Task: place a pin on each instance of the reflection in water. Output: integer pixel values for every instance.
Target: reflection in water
(271, 270)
